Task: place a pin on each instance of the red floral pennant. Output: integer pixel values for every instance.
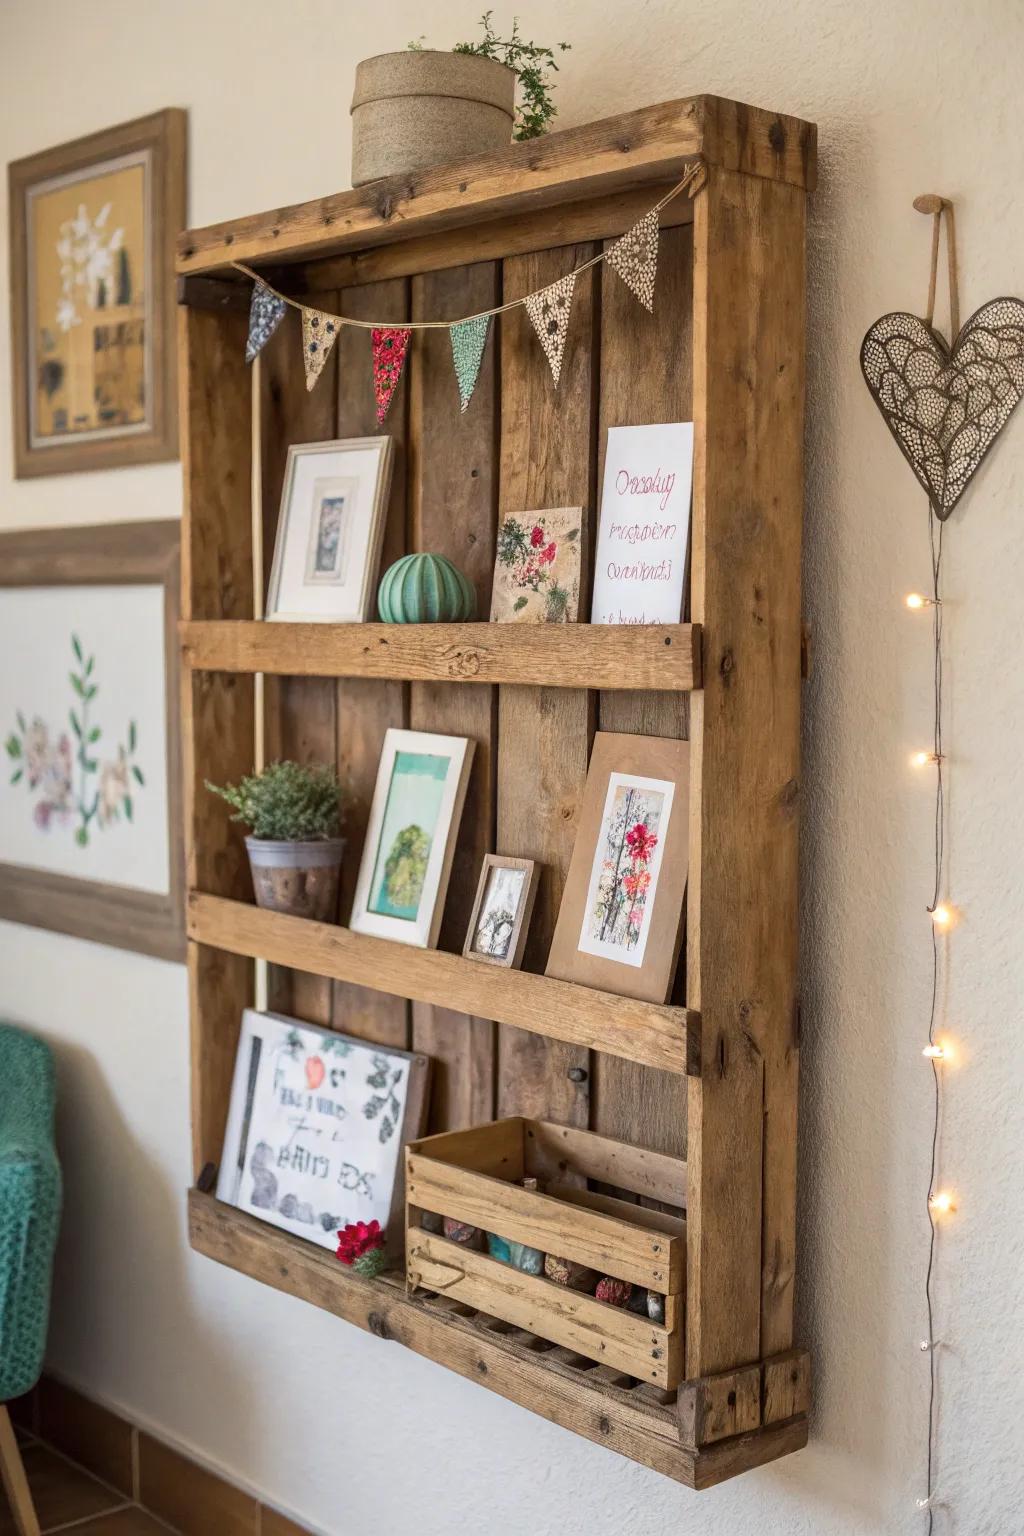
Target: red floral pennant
(389, 344)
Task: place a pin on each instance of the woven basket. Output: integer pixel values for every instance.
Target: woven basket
(420, 108)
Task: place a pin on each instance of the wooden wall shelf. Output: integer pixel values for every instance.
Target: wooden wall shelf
(662, 1037)
(662, 657)
(595, 1401)
(713, 1087)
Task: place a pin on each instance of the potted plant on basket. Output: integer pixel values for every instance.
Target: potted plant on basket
(422, 106)
(295, 815)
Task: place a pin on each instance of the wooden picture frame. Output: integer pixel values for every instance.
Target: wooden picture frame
(611, 934)
(296, 548)
(157, 145)
(130, 555)
(411, 755)
(510, 953)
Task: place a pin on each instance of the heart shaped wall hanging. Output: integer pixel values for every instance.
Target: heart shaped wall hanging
(945, 406)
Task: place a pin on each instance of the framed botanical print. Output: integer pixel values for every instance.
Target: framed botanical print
(620, 920)
(90, 821)
(329, 533)
(410, 838)
(502, 910)
(92, 230)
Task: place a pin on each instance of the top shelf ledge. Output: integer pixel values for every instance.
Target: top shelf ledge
(649, 146)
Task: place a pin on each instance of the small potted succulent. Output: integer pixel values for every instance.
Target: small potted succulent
(295, 816)
(423, 106)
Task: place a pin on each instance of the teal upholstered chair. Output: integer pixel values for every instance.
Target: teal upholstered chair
(30, 1191)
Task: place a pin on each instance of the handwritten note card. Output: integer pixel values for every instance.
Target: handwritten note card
(644, 525)
(315, 1127)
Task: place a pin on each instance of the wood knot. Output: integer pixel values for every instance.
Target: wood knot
(725, 666)
(789, 795)
(777, 137)
(462, 663)
(384, 208)
(481, 1366)
(378, 1325)
(604, 1425)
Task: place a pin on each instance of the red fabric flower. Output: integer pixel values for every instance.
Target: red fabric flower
(549, 554)
(640, 842)
(357, 1238)
(537, 537)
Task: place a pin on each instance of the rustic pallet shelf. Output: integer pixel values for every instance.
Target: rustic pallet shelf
(712, 1087)
(661, 657)
(662, 1037)
(603, 1405)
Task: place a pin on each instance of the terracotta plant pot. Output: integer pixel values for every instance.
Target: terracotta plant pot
(421, 107)
(298, 878)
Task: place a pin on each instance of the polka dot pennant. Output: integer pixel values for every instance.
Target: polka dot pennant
(319, 333)
(469, 337)
(266, 311)
(635, 258)
(389, 344)
(549, 311)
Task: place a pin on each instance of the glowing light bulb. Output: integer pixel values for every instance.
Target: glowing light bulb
(938, 1052)
(922, 759)
(942, 1202)
(914, 601)
(942, 915)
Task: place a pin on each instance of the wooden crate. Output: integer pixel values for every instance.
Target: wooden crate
(711, 1076)
(475, 1177)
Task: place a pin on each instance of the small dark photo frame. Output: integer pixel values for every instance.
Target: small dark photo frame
(502, 909)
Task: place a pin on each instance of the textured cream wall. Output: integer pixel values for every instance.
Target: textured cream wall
(324, 1420)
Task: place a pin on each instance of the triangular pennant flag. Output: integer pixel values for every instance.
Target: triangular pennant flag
(319, 333)
(469, 337)
(549, 311)
(265, 315)
(389, 344)
(635, 258)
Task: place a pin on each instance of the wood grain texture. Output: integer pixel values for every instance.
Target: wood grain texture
(625, 1421)
(164, 136)
(643, 380)
(643, 147)
(663, 658)
(453, 491)
(544, 733)
(538, 1004)
(716, 1407)
(742, 926)
(365, 707)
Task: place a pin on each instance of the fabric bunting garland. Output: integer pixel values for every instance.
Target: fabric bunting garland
(319, 333)
(265, 315)
(635, 258)
(549, 311)
(389, 344)
(469, 337)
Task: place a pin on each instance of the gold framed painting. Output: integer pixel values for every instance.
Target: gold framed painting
(92, 228)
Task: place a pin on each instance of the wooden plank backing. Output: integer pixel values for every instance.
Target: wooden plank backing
(742, 933)
(646, 376)
(453, 481)
(547, 460)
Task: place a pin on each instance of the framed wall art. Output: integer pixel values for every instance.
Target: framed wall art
(316, 1126)
(502, 910)
(92, 230)
(410, 838)
(644, 525)
(620, 920)
(537, 567)
(90, 817)
(329, 533)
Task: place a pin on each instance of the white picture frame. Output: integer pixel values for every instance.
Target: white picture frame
(333, 508)
(410, 838)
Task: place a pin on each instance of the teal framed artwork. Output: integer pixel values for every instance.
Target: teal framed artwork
(414, 821)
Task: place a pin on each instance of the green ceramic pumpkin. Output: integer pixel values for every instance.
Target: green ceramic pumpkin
(425, 589)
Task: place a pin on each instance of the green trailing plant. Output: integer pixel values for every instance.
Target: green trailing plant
(287, 802)
(533, 66)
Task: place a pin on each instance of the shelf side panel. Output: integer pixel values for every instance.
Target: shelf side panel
(742, 949)
(453, 484)
(544, 734)
(646, 376)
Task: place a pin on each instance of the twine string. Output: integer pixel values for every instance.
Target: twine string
(691, 181)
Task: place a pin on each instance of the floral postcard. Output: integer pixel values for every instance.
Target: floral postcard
(537, 569)
(625, 869)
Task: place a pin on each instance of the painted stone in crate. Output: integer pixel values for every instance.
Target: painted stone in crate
(462, 1232)
(575, 1277)
(518, 1255)
(655, 1307)
(425, 589)
(615, 1292)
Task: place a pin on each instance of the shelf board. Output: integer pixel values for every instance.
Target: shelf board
(565, 1389)
(656, 656)
(652, 1035)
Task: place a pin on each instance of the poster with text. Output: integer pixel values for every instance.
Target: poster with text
(644, 525)
(315, 1128)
